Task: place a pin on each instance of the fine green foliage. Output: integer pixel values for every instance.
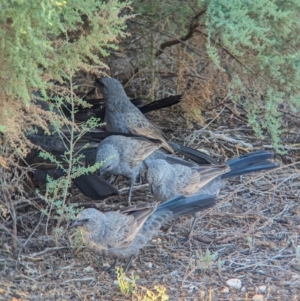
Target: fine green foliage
(175, 16)
(46, 40)
(155, 23)
(255, 45)
(56, 193)
(263, 37)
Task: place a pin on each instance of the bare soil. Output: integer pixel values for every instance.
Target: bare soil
(251, 235)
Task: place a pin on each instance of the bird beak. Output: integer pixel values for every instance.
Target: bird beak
(99, 82)
(76, 223)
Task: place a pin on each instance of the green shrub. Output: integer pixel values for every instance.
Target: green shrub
(46, 40)
(43, 46)
(255, 43)
(264, 37)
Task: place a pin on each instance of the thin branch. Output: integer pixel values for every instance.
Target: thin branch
(192, 29)
(27, 240)
(80, 279)
(48, 250)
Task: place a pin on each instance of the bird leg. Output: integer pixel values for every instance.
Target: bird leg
(140, 179)
(114, 264)
(170, 228)
(188, 241)
(130, 192)
(112, 179)
(128, 264)
(191, 229)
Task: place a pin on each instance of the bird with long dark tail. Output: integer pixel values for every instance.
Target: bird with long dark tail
(122, 116)
(169, 180)
(121, 234)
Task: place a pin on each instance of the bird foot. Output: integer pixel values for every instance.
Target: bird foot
(188, 241)
(128, 264)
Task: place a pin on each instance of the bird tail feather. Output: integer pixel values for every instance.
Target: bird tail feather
(249, 163)
(181, 205)
(94, 187)
(161, 103)
(193, 154)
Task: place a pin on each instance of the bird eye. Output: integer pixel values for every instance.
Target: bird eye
(85, 220)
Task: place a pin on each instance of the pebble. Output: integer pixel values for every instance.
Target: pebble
(258, 298)
(150, 265)
(88, 269)
(234, 283)
(262, 289)
(192, 289)
(225, 290)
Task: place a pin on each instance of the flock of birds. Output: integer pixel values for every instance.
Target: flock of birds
(130, 146)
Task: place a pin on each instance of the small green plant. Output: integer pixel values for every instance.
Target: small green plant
(128, 286)
(202, 263)
(157, 294)
(77, 241)
(205, 261)
(220, 265)
(250, 242)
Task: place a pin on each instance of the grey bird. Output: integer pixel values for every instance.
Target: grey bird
(121, 234)
(169, 180)
(122, 116)
(124, 156)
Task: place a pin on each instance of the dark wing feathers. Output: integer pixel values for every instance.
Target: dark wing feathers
(143, 149)
(143, 127)
(127, 224)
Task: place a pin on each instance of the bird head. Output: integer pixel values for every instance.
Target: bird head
(113, 90)
(108, 156)
(156, 171)
(88, 219)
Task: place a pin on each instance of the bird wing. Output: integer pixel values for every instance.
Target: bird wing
(202, 175)
(125, 224)
(142, 149)
(194, 184)
(139, 125)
